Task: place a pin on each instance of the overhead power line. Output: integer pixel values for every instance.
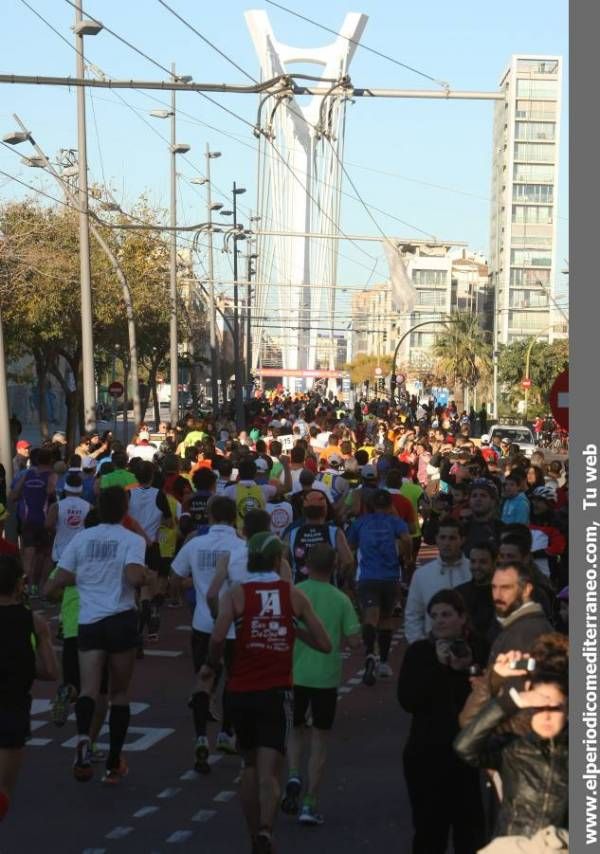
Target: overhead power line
(360, 44)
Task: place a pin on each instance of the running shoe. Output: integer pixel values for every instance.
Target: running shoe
(369, 674)
(384, 670)
(290, 802)
(310, 816)
(226, 744)
(263, 844)
(113, 776)
(82, 766)
(96, 754)
(60, 705)
(201, 753)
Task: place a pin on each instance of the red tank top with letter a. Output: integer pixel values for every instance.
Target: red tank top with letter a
(264, 642)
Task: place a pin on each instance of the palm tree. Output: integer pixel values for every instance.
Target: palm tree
(463, 354)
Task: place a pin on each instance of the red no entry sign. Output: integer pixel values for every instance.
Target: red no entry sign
(116, 389)
(559, 400)
(526, 382)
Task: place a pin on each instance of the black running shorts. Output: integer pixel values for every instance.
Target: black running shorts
(200, 642)
(378, 594)
(14, 724)
(114, 634)
(261, 718)
(322, 703)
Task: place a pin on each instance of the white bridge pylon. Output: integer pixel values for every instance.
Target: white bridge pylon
(301, 148)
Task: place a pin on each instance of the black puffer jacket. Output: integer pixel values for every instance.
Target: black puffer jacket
(534, 770)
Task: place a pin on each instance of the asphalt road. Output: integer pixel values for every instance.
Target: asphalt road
(164, 806)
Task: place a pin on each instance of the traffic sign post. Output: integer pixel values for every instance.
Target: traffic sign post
(116, 389)
(559, 400)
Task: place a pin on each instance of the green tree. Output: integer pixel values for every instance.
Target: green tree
(362, 369)
(546, 361)
(463, 354)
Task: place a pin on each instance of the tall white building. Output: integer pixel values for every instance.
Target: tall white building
(522, 256)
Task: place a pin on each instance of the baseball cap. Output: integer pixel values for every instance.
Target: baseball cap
(261, 464)
(263, 548)
(74, 484)
(487, 485)
(22, 444)
(4, 514)
(369, 472)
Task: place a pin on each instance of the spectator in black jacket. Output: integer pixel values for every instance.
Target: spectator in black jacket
(433, 685)
(477, 593)
(533, 767)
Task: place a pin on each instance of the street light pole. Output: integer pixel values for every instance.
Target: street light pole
(87, 338)
(174, 378)
(239, 401)
(408, 332)
(214, 363)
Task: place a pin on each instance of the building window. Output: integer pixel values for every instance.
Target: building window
(435, 297)
(528, 299)
(528, 320)
(533, 172)
(534, 214)
(426, 340)
(529, 240)
(535, 193)
(535, 110)
(535, 89)
(530, 258)
(535, 152)
(430, 277)
(535, 131)
(537, 66)
(530, 277)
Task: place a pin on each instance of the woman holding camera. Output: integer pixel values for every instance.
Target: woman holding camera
(533, 766)
(433, 685)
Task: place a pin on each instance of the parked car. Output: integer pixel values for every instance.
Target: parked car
(516, 435)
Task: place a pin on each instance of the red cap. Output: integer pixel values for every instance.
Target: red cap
(23, 443)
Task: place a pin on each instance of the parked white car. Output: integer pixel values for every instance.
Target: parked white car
(517, 435)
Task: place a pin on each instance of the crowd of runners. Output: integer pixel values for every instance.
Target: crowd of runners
(288, 543)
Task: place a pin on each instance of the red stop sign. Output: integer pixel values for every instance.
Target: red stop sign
(116, 389)
(526, 382)
(559, 400)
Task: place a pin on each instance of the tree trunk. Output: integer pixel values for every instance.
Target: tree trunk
(125, 404)
(71, 402)
(156, 402)
(41, 369)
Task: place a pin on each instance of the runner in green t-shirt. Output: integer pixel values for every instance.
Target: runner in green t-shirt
(121, 476)
(316, 680)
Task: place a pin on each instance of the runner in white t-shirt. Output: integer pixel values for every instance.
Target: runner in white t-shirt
(106, 563)
(198, 559)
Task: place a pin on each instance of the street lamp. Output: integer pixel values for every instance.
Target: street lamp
(439, 321)
(175, 148)
(210, 207)
(237, 234)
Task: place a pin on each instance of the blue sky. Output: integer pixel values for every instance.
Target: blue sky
(432, 157)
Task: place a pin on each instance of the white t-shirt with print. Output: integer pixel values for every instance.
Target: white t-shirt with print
(198, 558)
(97, 557)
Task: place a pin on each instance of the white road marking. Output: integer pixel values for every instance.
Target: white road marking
(134, 709)
(145, 811)
(184, 628)
(223, 797)
(163, 653)
(189, 775)
(148, 737)
(214, 758)
(119, 832)
(203, 815)
(344, 690)
(37, 725)
(168, 793)
(94, 851)
(40, 707)
(38, 742)
(180, 836)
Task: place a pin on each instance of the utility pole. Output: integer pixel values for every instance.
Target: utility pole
(87, 338)
(238, 379)
(174, 373)
(214, 361)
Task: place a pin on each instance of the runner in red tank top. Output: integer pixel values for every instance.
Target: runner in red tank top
(264, 609)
